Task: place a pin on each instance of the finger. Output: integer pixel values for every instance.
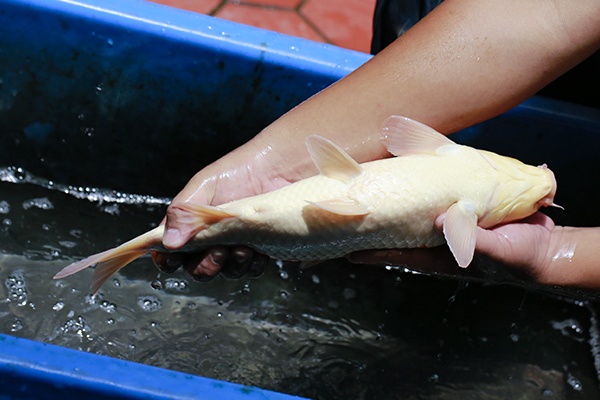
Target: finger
(167, 262)
(179, 228)
(238, 262)
(205, 266)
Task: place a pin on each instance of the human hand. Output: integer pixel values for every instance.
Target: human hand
(214, 185)
(524, 245)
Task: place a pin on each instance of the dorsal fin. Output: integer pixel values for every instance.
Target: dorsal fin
(403, 136)
(331, 160)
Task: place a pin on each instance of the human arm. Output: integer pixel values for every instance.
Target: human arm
(465, 62)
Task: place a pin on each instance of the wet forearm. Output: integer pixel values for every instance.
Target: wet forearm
(573, 258)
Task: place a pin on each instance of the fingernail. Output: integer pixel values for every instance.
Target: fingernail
(172, 238)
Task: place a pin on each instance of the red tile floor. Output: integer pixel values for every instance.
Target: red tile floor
(345, 23)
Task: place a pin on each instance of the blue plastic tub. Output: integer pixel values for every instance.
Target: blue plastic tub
(122, 94)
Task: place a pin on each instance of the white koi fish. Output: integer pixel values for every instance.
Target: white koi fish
(383, 204)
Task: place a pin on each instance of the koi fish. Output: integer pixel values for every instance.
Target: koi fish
(383, 204)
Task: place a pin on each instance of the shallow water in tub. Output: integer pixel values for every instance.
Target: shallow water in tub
(334, 331)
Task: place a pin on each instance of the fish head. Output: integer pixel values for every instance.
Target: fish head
(522, 189)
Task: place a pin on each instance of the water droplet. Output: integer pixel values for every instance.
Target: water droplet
(58, 306)
(219, 315)
(284, 275)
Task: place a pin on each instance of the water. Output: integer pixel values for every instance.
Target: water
(334, 331)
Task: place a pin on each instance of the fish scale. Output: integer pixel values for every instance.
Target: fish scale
(383, 204)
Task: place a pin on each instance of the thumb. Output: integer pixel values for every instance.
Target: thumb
(179, 227)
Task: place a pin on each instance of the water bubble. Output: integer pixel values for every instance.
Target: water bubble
(574, 382)
(17, 289)
(4, 207)
(42, 203)
(6, 222)
(246, 289)
(67, 243)
(284, 275)
(112, 209)
(58, 306)
(349, 293)
(175, 285)
(16, 325)
(149, 303)
(156, 284)
(76, 326)
(219, 314)
(548, 393)
(108, 306)
(315, 279)
(569, 328)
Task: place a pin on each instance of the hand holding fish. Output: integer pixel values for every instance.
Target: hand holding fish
(384, 204)
(437, 73)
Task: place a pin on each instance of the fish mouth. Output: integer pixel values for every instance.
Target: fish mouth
(548, 199)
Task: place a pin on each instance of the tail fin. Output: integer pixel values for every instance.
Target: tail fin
(110, 261)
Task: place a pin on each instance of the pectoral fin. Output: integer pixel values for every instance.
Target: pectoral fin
(201, 216)
(331, 160)
(460, 229)
(403, 136)
(341, 207)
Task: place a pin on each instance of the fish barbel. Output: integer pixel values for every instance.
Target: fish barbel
(383, 204)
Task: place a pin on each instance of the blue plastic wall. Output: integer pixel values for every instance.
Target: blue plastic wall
(113, 83)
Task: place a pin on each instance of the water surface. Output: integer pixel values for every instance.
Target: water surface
(334, 331)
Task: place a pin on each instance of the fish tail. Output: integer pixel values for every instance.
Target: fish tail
(110, 261)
